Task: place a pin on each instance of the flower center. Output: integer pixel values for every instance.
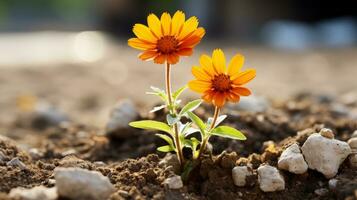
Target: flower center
(221, 82)
(167, 44)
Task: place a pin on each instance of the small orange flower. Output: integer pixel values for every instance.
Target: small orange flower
(219, 84)
(168, 38)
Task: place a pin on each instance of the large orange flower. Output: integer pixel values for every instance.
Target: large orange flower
(168, 38)
(219, 84)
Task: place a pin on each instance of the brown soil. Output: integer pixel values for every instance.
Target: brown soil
(133, 165)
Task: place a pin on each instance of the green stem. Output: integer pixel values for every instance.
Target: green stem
(205, 139)
(173, 112)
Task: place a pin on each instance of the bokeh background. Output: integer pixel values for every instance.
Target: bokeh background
(72, 54)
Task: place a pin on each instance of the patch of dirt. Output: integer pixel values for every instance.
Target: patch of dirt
(133, 165)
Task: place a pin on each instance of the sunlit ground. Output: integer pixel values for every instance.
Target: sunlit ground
(87, 72)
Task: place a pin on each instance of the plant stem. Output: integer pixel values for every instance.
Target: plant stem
(205, 140)
(173, 111)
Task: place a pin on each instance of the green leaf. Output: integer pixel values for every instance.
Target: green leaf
(166, 148)
(218, 121)
(187, 129)
(151, 125)
(178, 92)
(228, 132)
(166, 138)
(199, 123)
(191, 106)
(158, 92)
(172, 119)
(157, 108)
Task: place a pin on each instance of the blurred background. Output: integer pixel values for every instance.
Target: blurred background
(72, 54)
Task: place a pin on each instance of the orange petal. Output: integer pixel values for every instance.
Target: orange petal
(244, 77)
(233, 97)
(200, 74)
(172, 58)
(139, 44)
(206, 64)
(219, 61)
(242, 91)
(160, 59)
(188, 27)
(154, 25)
(166, 23)
(148, 55)
(235, 65)
(185, 52)
(144, 33)
(199, 86)
(177, 22)
(190, 42)
(219, 99)
(208, 96)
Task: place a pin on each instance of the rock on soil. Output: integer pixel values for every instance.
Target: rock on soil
(324, 154)
(239, 175)
(121, 115)
(174, 182)
(16, 162)
(292, 160)
(35, 193)
(270, 180)
(81, 184)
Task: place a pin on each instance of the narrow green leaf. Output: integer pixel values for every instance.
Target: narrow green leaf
(172, 119)
(157, 108)
(178, 92)
(151, 125)
(167, 138)
(191, 106)
(228, 132)
(165, 148)
(219, 120)
(199, 123)
(158, 92)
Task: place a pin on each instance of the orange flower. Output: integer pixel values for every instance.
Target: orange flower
(219, 84)
(168, 38)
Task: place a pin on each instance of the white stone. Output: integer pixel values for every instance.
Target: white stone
(292, 160)
(82, 184)
(239, 175)
(174, 182)
(121, 115)
(16, 162)
(324, 154)
(332, 183)
(36, 193)
(354, 134)
(353, 143)
(270, 179)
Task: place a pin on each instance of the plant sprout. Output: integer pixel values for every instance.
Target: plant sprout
(164, 41)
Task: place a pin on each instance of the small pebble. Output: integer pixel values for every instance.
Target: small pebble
(174, 182)
(69, 152)
(16, 162)
(35, 153)
(35, 193)
(327, 133)
(99, 164)
(332, 183)
(353, 143)
(239, 175)
(321, 191)
(354, 134)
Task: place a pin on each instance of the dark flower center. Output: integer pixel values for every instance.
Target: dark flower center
(167, 44)
(221, 83)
